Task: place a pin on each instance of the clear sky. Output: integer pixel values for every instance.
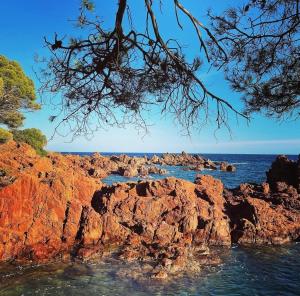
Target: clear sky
(23, 24)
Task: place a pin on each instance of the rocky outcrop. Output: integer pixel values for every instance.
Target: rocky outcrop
(56, 207)
(142, 171)
(261, 216)
(286, 171)
(225, 167)
(42, 210)
(163, 219)
(191, 162)
(196, 162)
(98, 166)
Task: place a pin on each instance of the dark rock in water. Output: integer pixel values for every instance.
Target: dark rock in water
(208, 164)
(284, 170)
(224, 166)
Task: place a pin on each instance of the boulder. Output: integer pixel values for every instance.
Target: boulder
(128, 171)
(284, 170)
(225, 167)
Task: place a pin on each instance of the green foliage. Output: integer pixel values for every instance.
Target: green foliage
(32, 136)
(5, 135)
(17, 92)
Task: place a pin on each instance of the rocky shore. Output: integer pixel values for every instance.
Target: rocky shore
(57, 208)
(100, 166)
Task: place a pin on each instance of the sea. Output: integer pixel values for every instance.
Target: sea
(267, 270)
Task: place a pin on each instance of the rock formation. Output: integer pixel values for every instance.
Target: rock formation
(284, 170)
(42, 212)
(194, 162)
(224, 166)
(56, 207)
(259, 216)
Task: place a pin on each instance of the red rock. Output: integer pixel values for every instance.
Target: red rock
(54, 208)
(258, 217)
(40, 216)
(224, 166)
(284, 170)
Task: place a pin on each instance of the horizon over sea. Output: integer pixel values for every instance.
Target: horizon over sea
(265, 270)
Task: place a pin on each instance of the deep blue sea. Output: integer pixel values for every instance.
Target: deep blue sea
(244, 271)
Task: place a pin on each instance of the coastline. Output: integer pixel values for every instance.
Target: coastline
(170, 223)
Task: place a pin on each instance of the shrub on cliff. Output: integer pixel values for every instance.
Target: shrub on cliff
(5, 135)
(32, 136)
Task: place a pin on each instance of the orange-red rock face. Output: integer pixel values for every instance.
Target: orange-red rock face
(260, 216)
(40, 211)
(164, 212)
(55, 208)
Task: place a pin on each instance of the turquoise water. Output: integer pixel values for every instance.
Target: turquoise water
(244, 271)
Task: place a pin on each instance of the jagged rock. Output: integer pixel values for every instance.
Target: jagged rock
(157, 170)
(208, 164)
(259, 216)
(147, 170)
(5, 178)
(143, 171)
(128, 171)
(155, 160)
(41, 217)
(198, 167)
(97, 173)
(163, 219)
(55, 209)
(284, 170)
(224, 166)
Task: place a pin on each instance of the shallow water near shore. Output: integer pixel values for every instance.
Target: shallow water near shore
(244, 271)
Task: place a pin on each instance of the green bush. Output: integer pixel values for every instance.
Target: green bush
(32, 136)
(17, 93)
(5, 135)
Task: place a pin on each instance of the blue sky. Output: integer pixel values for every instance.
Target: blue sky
(23, 24)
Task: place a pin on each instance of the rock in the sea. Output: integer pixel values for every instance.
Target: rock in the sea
(259, 216)
(128, 171)
(224, 166)
(164, 211)
(56, 207)
(284, 170)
